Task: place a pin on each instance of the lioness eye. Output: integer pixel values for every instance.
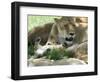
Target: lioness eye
(65, 25)
(74, 25)
(49, 44)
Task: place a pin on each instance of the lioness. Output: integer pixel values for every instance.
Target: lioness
(64, 30)
(68, 31)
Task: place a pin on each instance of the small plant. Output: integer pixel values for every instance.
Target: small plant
(53, 54)
(31, 50)
(57, 54)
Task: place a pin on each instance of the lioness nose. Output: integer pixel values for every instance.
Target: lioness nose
(71, 33)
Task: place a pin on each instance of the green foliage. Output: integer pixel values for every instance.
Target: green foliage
(31, 50)
(53, 54)
(57, 54)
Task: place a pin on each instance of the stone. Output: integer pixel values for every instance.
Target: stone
(47, 62)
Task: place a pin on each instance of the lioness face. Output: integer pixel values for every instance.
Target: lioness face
(71, 31)
(66, 31)
(70, 34)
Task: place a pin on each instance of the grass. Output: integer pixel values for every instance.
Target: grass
(31, 50)
(57, 54)
(53, 54)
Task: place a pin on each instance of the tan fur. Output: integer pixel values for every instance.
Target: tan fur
(50, 32)
(81, 52)
(66, 25)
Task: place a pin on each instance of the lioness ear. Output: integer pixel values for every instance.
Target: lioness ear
(82, 19)
(56, 20)
(68, 18)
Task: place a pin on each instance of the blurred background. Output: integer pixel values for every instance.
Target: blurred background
(34, 21)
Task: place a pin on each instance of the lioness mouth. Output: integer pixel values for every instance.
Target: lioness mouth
(69, 39)
(68, 42)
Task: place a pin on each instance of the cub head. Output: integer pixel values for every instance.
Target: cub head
(40, 50)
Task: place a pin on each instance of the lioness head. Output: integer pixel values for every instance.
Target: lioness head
(70, 31)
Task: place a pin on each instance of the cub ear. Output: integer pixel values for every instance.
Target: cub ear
(37, 40)
(56, 20)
